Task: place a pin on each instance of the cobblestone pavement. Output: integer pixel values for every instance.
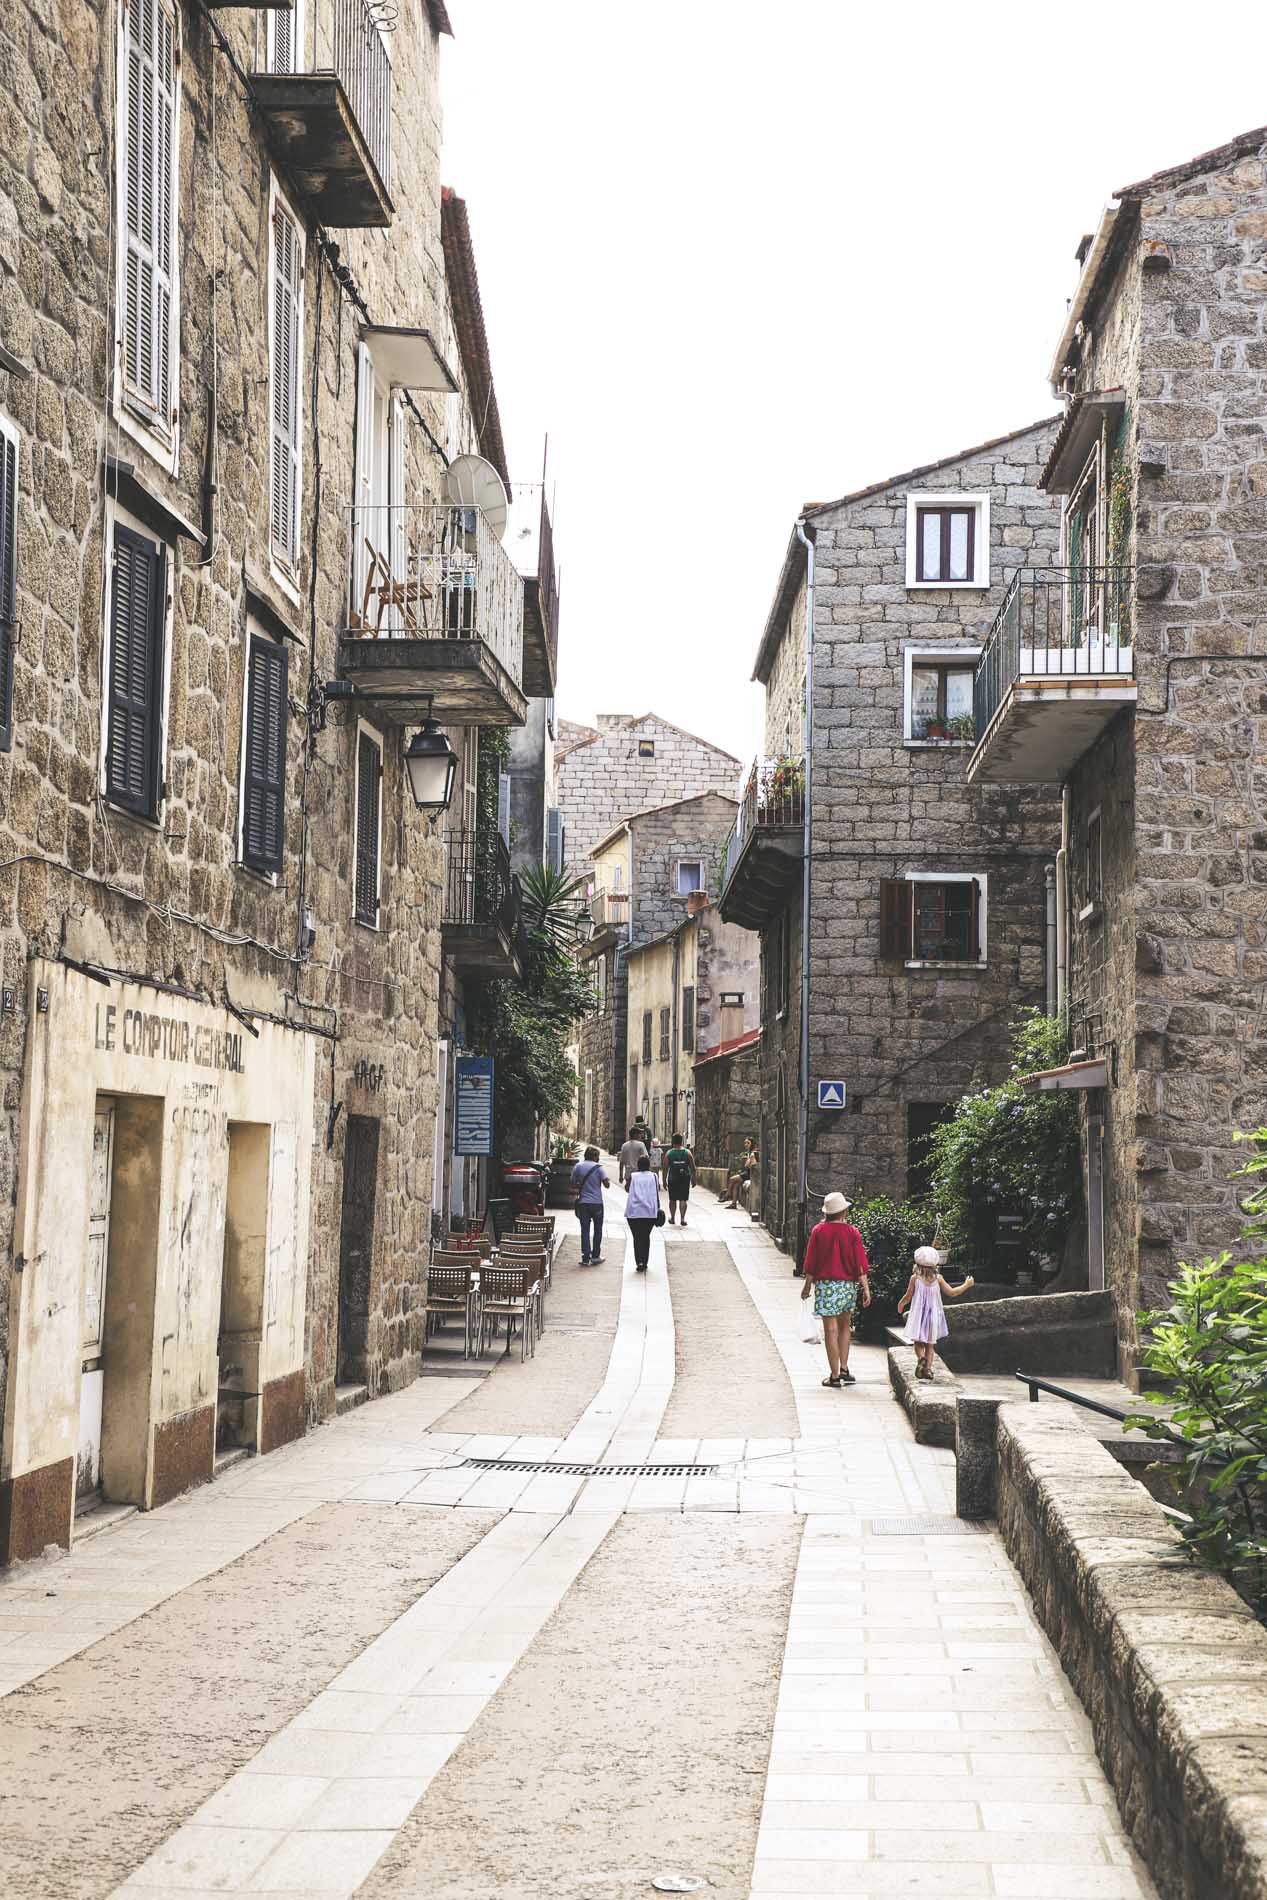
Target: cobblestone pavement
(390, 1660)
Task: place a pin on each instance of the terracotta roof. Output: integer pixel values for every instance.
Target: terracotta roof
(440, 17)
(649, 811)
(794, 559)
(468, 321)
(728, 1048)
(1210, 161)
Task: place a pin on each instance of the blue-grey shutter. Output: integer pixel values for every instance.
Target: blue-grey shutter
(264, 765)
(8, 581)
(503, 806)
(554, 839)
(138, 605)
(369, 785)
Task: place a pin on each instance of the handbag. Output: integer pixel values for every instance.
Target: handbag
(659, 1219)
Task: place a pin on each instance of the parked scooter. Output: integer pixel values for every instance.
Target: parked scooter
(524, 1185)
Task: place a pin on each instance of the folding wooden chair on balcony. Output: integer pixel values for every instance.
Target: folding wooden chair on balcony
(453, 1288)
(389, 591)
(511, 1293)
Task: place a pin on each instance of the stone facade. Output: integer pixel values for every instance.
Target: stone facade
(627, 765)
(727, 1100)
(907, 1035)
(1167, 973)
(164, 909)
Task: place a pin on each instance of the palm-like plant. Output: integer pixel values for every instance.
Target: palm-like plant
(553, 906)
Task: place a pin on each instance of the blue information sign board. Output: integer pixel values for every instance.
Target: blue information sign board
(473, 1117)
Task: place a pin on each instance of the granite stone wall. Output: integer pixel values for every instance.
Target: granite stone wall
(605, 780)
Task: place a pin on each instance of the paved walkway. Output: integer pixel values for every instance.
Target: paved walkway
(794, 1673)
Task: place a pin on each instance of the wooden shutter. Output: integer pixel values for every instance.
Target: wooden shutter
(398, 516)
(148, 135)
(554, 839)
(646, 1035)
(363, 525)
(287, 305)
(138, 610)
(281, 32)
(895, 919)
(369, 789)
(974, 939)
(688, 1019)
(264, 764)
(8, 580)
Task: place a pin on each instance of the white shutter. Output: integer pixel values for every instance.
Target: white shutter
(362, 518)
(287, 318)
(399, 529)
(281, 40)
(147, 135)
(503, 805)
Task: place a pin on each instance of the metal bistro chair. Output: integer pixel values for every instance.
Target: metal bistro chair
(529, 1227)
(453, 1287)
(530, 1252)
(511, 1293)
(469, 1243)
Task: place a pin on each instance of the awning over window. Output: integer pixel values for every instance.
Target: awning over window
(1071, 1075)
(408, 359)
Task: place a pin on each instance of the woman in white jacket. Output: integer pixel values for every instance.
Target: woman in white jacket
(641, 1207)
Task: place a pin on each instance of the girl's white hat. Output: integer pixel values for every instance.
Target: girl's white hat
(836, 1204)
(927, 1257)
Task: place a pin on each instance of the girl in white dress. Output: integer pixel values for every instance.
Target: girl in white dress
(927, 1323)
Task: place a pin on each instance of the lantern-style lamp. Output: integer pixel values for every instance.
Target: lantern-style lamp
(432, 766)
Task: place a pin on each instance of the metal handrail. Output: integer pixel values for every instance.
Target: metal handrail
(1057, 622)
(480, 887)
(435, 571)
(773, 798)
(364, 66)
(1037, 1385)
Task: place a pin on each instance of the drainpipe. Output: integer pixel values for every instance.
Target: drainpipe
(673, 1030)
(806, 538)
(1049, 964)
(1062, 908)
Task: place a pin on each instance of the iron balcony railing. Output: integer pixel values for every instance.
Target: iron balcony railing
(609, 909)
(1060, 622)
(435, 572)
(773, 799)
(480, 887)
(363, 65)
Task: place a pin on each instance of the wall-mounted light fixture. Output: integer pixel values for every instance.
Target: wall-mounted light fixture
(432, 766)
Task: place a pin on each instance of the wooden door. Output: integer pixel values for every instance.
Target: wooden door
(356, 1247)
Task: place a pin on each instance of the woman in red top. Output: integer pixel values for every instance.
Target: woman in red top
(836, 1267)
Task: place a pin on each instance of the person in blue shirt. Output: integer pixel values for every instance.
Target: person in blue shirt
(589, 1181)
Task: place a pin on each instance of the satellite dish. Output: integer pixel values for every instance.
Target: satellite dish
(474, 483)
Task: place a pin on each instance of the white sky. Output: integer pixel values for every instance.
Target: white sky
(740, 254)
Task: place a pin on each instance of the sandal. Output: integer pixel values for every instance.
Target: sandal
(834, 1382)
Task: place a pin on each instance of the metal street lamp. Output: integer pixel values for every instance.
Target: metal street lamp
(432, 766)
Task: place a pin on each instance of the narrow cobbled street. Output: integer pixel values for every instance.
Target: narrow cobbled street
(397, 1660)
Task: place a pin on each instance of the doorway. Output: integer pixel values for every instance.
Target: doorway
(92, 1364)
(356, 1249)
(242, 1287)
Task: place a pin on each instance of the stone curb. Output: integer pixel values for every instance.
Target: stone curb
(930, 1408)
(1169, 1663)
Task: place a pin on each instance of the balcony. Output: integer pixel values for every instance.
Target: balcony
(436, 618)
(480, 927)
(541, 616)
(764, 853)
(609, 916)
(332, 127)
(1058, 666)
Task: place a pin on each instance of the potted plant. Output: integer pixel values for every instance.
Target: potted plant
(963, 727)
(936, 728)
(559, 1181)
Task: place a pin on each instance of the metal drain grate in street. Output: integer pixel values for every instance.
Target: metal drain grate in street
(924, 1527)
(590, 1471)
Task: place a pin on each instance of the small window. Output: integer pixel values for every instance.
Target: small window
(732, 999)
(688, 1019)
(666, 1035)
(1094, 870)
(8, 575)
(369, 804)
(690, 876)
(940, 700)
(947, 540)
(932, 920)
(646, 748)
(264, 756)
(134, 694)
(646, 1035)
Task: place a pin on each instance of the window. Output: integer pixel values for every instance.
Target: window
(285, 38)
(646, 748)
(930, 918)
(556, 840)
(947, 540)
(369, 803)
(668, 1117)
(690, 876)
(646, 1035)
(148, 148)
(8, 575)
(134, 679)
(285, 345)
(600, 983)
(655, 1114)
(938, 695)
(381, 570)
(264, 756)
(666, 1034)
(732, 999)
(688, 1019)
(921, 1119)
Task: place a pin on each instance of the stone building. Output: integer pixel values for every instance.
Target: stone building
(645, 874)
(231, 588)
(927, 896)
(629, 764)
(728, 1105)
(1133, 684)
(691, 988)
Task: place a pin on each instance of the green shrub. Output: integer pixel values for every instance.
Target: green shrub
(891, 1231)
(1008, 1151)
(1209, 1348)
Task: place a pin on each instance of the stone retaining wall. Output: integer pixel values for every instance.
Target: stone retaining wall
(1171, 1666)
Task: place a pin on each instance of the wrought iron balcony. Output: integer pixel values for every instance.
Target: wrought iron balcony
(1059, 664)
(331, 126)
(541, 616)
(481, 925)
(762, 859)
(435, 621)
